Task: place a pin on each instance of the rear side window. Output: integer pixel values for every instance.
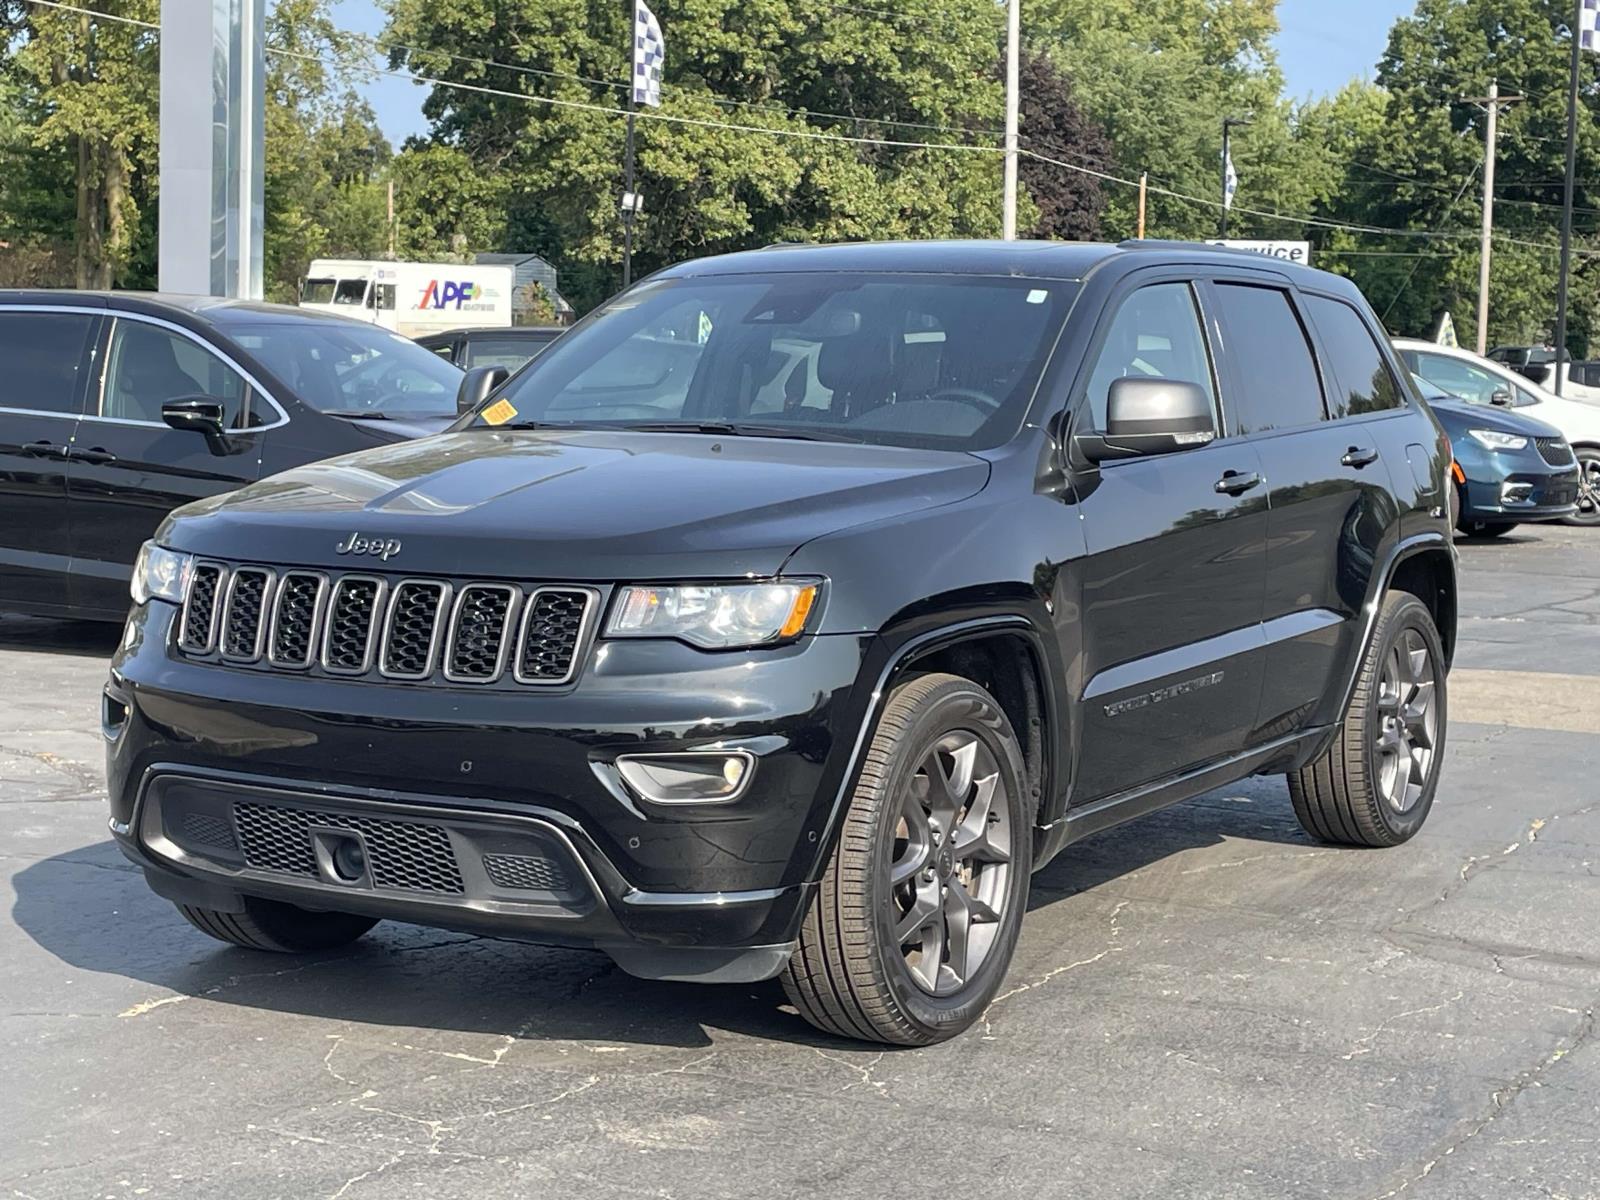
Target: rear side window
(43, 353)
(1361, 381)
(1276, 384)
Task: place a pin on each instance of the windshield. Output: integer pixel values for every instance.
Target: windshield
(915, 360)
(348, 369)
(316, 291)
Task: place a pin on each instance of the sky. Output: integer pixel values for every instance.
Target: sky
(1321, 47)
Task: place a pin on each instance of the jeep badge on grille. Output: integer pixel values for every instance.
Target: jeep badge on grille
(384, 548)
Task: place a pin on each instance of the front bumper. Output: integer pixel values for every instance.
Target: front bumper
(497, 811)
(1530, 490)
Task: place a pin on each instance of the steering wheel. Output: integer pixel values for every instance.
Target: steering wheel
(982, 401)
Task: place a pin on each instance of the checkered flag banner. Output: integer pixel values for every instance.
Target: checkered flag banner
(1589, 25)
(649, 48)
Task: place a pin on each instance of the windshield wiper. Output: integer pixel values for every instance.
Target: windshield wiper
(740, 429)
(355, 414)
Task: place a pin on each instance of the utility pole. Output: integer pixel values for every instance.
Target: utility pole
(1144, 187)
(1577, 32)
(1491, 104)
(391, 219)
(1008, 218)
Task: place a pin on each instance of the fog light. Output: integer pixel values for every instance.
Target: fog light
(349, 860)
(693, 777)
(1515, 493)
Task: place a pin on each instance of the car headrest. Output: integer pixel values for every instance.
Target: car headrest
(849, 362)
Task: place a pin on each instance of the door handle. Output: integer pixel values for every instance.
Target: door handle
(95, 456)
(1359, 456)
(44, 450)
(1235, 483)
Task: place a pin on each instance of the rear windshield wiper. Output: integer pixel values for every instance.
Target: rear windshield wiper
(741, 429)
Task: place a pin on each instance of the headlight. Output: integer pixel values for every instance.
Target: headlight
(160, 573)
(1493, 439)
(715, 616)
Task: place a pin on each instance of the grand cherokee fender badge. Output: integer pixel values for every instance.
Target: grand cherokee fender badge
(383, 548)
(1166, 693)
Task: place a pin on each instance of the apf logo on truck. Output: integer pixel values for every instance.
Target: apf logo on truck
(437, 295)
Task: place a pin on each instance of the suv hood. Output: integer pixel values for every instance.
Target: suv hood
(573, 505)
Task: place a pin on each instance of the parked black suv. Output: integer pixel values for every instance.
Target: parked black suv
(790, 611)
(118, 407)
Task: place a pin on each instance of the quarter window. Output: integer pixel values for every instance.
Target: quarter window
(1275, 375)
(1361, 381)
(43, 353)
(147, 366)
(1155, 334)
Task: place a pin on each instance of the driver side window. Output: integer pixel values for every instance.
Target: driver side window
(147, 366)
(1155, 334)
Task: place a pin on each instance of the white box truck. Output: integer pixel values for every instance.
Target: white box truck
(410, 298)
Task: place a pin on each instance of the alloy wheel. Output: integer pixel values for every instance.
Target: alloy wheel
(1589, 489)
(950, 862)
(1407, 722)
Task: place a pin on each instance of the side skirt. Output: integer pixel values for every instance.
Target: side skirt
(1282, 754)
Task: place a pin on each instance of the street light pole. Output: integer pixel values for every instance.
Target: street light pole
(1491, 104)
(1008, 217)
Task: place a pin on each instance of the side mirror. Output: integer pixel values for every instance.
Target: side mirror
(1500, 397)
(476, 384)
(1151, 416)
(198, 414)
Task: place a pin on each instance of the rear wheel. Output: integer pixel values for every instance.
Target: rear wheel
(277, 927)
(917, 915)
(1375, 784)
(1588, 487)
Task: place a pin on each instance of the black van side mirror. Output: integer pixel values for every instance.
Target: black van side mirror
(476, 384)
(1146, 415)
(199, 414)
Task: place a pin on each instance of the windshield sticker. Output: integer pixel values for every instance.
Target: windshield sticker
(1038, 296)
(499, 412)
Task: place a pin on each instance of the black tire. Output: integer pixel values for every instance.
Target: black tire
(279, 928)
(851, 975)
(1346, 796)
(1589, 487)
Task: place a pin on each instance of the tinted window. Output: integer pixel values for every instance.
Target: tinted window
(920, 360)
(1361, 381)
(487, 350)
(344, 367)
(1157, 334)
(1274, 373)
(148, 366)
(42, 353)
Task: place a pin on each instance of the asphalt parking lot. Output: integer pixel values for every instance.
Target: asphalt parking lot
(1205, 1003)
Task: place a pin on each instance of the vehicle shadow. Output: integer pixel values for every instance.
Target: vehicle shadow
(90, 639)
(91, 909)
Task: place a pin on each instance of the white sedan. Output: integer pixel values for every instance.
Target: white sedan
(1479, 381)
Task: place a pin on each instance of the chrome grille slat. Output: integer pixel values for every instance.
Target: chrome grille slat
(555, 625)
(296, 619)
(244, 614)
(355, 606)
(480, 632)
(400, 628)
(197, 627)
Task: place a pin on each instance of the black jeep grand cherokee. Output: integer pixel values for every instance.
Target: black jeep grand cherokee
(788, 613)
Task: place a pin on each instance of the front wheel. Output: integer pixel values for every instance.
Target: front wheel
(1588, 487)
(1375, 784)
(916, 918)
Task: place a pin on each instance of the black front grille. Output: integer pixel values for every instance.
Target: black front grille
(200, 609)
(294, 620)
(1554, 451)
(411, 633)
(478, 635)
(525, 873)
(552, 631)
(403, 855)
(352, 614)
(364, 625)
(243, 614)
(203, 829)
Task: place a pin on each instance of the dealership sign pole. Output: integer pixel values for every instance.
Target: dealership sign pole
(649, 49)
(1584, 37)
